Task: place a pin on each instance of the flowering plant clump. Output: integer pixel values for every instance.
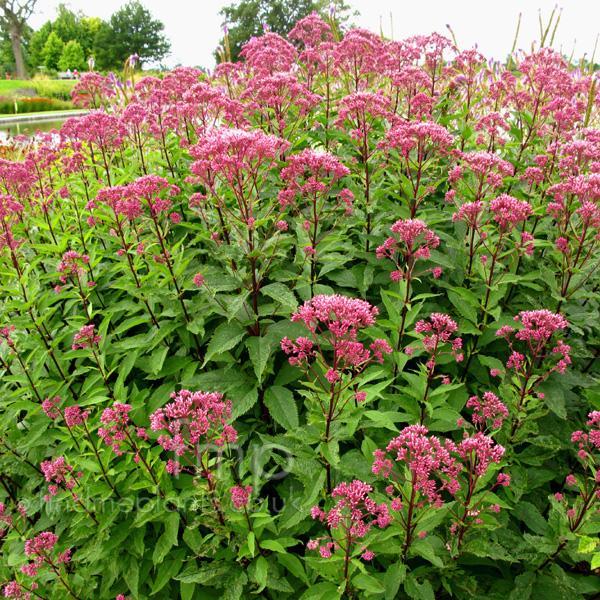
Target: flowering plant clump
(320, 323)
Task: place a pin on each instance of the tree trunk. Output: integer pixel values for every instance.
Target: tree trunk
(15, 40)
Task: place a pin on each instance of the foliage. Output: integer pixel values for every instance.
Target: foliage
(249, 18)
(71, 57)
(321, 324)
(68, 26)
(130, 30)
(52, 51)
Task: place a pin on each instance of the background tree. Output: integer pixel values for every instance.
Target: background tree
(36, 45)
(247, 18)
(53, 49)
(13, 19)
(130, 30)
(68, 25)
(72, 57)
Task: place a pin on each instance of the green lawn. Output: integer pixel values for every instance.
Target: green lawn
(10, 85)
(52, 88)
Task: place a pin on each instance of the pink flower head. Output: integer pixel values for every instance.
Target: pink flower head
(240, 495)
(311, 31)
(310, 174)
(115, 421)
(234, 155)
(539, 327)
(336, 319)
(50, 407)
(13, 589)
(198, 280)
(193, 418)
(86, 337)
(439, 329)
(489, 411)
(72, 265)
(354, 513)
(430, 462)
(37, 549)
(74, 415)
(421, 136)
(412, 240)
(58, 472)
(509, 211)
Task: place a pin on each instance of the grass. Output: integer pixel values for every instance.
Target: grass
(51, 88)
(11, 85)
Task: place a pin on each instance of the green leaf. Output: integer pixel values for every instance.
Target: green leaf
(258, 572)
(531, 516)
(186, 590)
(272, 545)
(394, 576)
(251, 541)
(282, 294)
(226, 336)
(368, 583)
(234, 587)
(168, 539)
(418, 591)
(465, 302)
(166, 571)
(322, 591)
(259, 350)
(131, 575)
(523, 586)
(554, 397)
(425, 549)
(282, 407)
(157, 358)
(292, 563)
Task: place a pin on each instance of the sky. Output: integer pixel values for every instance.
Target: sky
(194, 26)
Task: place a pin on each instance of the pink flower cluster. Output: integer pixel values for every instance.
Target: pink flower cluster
(439, 329)
(191, 419)
(86, 337)
(310, 174)
(539, 327)
(38, 550)
(240, 495)
(115, 422)
(433, 469)
(412, 241)
(58, 473)
(337, 319)
(354, 514)
(509, 211)
(423, 136)
(72, 265)
(588, 442)
(488, 411)
(234, 154)
(14, 590)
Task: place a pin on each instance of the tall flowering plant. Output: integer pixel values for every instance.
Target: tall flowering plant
(267, 232)
(334, 358)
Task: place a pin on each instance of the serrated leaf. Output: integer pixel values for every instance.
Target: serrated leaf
(392, 580)
(225, 337)
(281, 294)
(259, 350)
(157, 358)
(368, 583)
(168, 539)
(282, 406)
